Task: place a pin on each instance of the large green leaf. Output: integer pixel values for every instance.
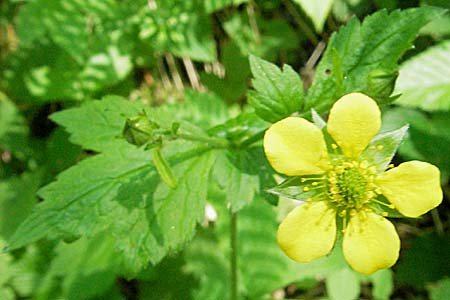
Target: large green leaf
(424, 80)
(363, 57)
(120, 192)
(279, 93)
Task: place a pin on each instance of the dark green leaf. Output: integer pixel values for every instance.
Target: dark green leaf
(376, 44)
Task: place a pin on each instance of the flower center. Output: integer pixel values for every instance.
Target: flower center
(350, 185)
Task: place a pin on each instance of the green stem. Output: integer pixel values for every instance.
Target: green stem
(212, 141)
(233, 256)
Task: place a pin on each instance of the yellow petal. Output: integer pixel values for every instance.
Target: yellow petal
(308, 232)
(413, 187)
(370, 243)
(354, 120)
(295, 147)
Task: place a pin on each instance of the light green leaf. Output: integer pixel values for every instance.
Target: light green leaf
(317, 10)
(424, 80)
(343, 285)
(364, 52)
(279, 93)
(98, 125)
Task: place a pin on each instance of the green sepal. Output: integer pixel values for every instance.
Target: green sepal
(163, 169)
(389, 141)
(380, 208)
(279, 93)
(294, 188)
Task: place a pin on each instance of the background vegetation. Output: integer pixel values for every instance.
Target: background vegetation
(83, 83)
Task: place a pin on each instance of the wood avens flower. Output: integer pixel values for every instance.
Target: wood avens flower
(341, 169)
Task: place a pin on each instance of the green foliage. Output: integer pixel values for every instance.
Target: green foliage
(279, 93)
(131, 157)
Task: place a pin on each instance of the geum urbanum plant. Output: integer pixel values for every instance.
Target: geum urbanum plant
(340, 172)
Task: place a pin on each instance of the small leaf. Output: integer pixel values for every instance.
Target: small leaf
(279, 93)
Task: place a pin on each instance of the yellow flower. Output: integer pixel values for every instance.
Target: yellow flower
(344, 189)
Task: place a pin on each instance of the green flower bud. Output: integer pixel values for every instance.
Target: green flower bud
(139, 130)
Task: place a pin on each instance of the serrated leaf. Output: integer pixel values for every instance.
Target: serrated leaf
(234, 173)
(279, 93)
(317, 10)
(373, 46)
(115, 191)
(98, 125)
(424, 80)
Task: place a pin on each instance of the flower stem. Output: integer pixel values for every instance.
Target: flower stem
(233, 256)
